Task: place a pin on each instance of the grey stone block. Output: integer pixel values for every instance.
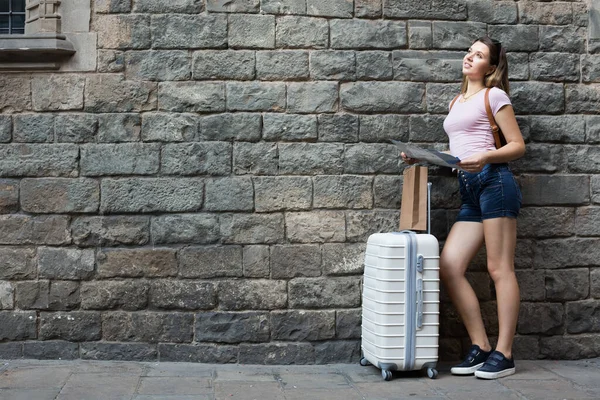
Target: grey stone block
(518, 66)
(343, 258)
(425, 128)
(492, 12)
(57, 92)
(172, 31)
(111, 61)
(76, 128)
(569, 347)
(348, 324)
(252, 228)
(289, 127)
(290, 261)
(387, 191)
(539, 98)
(571, 284)
(456, 35)
(559, 129)
(231, 126)
(255, 158)
(98, 231)
(367, 34)
(595, 283)
(51, 350)
(587, 221)
(233, 6)
(170, 127)
(118, 351)
(343, 192)
(32, 295)
(107, 295)
(6, 127)
(541, 318)
(192, 96)
(229, 194)
(368, 8)
(210, 262)
(315, 227)
(224, 64)
(432, 66)
(185, 228)
(112, 93)
(427, 9)
(256, 96)
(232, 327)
(583, 316)
(206, 158)
(303, 325)
(11, 350)
(176, 6)
(558, 67)
(516, 37)
(332, 352)
(282, 65)
(542, 157)
(369, 158)
(582, 98)
(9, 196)
(283, 6)
(384, 97)
(17, 263)
(282, 193)
(151, 194)
(158, 65)
(136, 263)
(33, 128)
(14, 98)
(198, 353)
(595, 189)
(439, 96)
(332, 8)
(65, 263)
(123, 31)
(251, 31)
(554, 190)
(564, 253)
(383, 128)
(567, 39)
(324, 293)
(18, 325)
(361, 224)
(590, 69)
(555, 13)
(255, 261)
(311, 158)
(261, 294)
(546, 222)
(338, 128)
(59, 195)
(7, 291)
(312, 97)
(25, 229)
(149, 327)
(302, 32)
(276, 353)
(112, 6)
(583, 159)
(420, 35)
(532, 284)
(333, 65)
(119, 127)
(119, 159)
(38, 160)
(373, 65)
(182, 295)
(76, 326)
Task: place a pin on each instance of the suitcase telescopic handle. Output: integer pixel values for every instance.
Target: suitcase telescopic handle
(429, 208)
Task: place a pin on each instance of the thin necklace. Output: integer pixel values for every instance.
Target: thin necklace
(471, 95)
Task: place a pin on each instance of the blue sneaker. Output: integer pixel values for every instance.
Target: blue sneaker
(472, 362)
(496, 366)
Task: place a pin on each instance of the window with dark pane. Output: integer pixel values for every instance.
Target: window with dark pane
(12, 17)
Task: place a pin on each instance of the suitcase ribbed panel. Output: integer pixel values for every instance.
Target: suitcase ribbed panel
(390, 296)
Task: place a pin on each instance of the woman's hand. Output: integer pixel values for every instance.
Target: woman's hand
(408, 160)
(474, 163)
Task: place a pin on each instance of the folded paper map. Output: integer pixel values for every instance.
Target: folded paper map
(428, 155)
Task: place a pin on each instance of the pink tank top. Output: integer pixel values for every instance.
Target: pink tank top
(467, 124)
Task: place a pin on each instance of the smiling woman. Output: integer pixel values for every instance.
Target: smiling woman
(12, 17)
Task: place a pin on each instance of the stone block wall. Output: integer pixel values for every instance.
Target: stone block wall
(206, 192)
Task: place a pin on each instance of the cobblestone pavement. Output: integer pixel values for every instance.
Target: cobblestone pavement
(105, 380)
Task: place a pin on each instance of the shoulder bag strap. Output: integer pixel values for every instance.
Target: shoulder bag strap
(488, 110)
(454, 101)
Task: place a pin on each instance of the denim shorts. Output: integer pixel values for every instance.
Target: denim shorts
(491, 193)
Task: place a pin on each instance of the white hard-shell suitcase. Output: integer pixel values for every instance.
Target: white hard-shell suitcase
(400, 311)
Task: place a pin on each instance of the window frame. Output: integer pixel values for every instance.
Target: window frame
(10, 13)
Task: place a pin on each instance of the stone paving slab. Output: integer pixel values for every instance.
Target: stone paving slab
(108, 380)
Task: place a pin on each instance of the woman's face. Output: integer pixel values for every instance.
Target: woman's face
(476, 63)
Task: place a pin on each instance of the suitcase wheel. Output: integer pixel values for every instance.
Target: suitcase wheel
(364, 362)
(387, 375)
(432, 373)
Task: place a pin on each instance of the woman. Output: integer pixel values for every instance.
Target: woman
(491, 200)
